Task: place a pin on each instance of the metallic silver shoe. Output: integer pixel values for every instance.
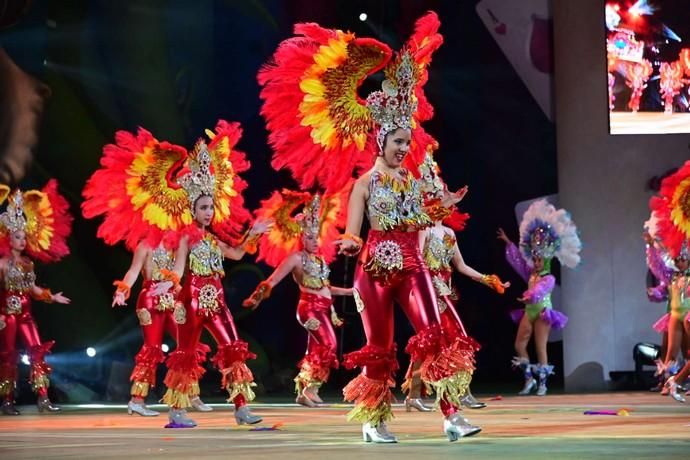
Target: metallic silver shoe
(44, 405)
(303, 400)
(673, 390)
(471, 402)
(9, 409)
(141, 409)
(201, 406)
(244, 416)
(312, 392)
(530, 384)
(377, 433)
(416, 403)
(456, 426)
(177, 418)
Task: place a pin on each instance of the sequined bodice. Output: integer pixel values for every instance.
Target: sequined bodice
(20, 276)
(206, 257)
(315, 271)
(396, 203)
(438, 252)
(534, 278)
(680, 295)
(162, 258)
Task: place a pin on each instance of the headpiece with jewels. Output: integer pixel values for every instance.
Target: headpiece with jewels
(44, 217)
(199, 181)
(145, 188)
(547, 232)
(672, 206)
(394, 106)
(295, 213)
(319, 126)
(13, 218)
(310, 220)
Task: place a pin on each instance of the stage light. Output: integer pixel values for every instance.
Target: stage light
(25, 359)
(91, 352)
(363, 17)
(165, 348)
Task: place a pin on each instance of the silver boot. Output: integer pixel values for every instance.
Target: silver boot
(543, 371)
(673, 389)
(377, 433)
(9, 409)
(416, 403)
(199, 405)
(471, 402)
(526, 368)
(44, 405)
(456, 426)
(177, 418)
(140, 408)
(244, 416)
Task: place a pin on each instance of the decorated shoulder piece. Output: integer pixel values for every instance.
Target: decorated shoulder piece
(672, 206)
(295, 214)
(44, 217)
(319, 127)
(212, 169)
(135, 190)
(546, 232)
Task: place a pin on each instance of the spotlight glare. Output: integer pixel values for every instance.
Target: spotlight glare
(25, 359)
(165, 348)
(363, 17)
(91, 352)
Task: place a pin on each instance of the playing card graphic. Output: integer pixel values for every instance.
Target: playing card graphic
(523, 31)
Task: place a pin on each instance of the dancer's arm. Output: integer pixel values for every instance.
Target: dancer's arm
(249, 244)
(263, 290)
(514, 257)
(350, 243)
(335, 290)
(492, 281)
(123, 286)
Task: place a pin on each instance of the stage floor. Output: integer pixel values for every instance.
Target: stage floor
(551, 427)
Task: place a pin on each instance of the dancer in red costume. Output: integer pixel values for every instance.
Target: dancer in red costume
(322, 132)
(442, 256)
(309, 269)
(134, 186)
(38, 223)
(214, 199)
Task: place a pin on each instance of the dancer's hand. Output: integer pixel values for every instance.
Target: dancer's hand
(160, 288)
(335, 320)
(523, 299)
(262, 292)
(348, 244)
(59, 298)
(501, 235)
(451, 198)
(119, 299)
(647, 238)
(260, 227)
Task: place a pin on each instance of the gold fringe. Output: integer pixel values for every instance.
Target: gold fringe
(304, 380)
(452, 388)
(241, 388)
(375, 415)
(7, 387)
(40, 382)
(180, 400)
(140, 389)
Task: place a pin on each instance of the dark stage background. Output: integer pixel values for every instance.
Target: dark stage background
(175, 67)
